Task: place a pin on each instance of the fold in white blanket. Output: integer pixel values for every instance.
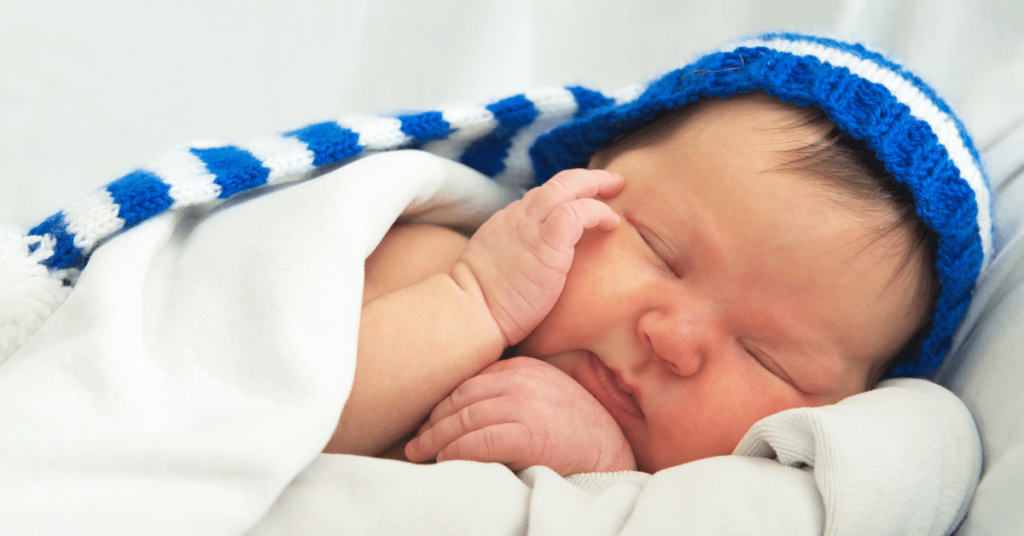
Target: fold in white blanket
(201, 363)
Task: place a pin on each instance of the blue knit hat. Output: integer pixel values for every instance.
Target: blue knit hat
(913, 133)
(527, 138)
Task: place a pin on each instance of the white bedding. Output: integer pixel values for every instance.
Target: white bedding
(190, 381)
(899, 460)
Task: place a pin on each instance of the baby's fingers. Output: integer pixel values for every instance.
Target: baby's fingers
(435, 437)
(563, 229)
(485, 385)
(567, 186)
(506, 443)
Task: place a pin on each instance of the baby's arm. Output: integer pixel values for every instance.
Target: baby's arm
(418, 342)
(407, 255)
(524, 412)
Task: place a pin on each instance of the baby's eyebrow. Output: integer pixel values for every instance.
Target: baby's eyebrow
(690, 238)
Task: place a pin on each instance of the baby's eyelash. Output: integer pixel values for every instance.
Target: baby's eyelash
(760, 361)
(661, 258)
(764, 361)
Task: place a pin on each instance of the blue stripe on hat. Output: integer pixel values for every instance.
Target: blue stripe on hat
(65, 253)
(139, 195)
(588, 99)
(328, 141)
(425, 126)
(235, 170)
(513, 113)
(488, 154)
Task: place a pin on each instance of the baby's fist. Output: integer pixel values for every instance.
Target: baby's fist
(519, 258)
(524, 412)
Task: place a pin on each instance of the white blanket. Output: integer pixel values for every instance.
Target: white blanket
(900, 460)
(201, 362)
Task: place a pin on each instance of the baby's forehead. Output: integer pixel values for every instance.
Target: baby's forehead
(761, 121)
(758, 132)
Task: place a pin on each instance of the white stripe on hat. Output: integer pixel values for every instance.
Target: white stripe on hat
(628, 94)
(468, 121)
(376, 133)
(288, 158)
(191, 183)
(551, 101)
(92, 218)
(921, 107)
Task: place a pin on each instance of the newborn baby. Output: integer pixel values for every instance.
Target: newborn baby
(729, 260)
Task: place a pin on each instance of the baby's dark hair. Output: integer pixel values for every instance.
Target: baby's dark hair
(850, 171)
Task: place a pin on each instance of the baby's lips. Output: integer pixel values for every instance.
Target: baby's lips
(623, 399)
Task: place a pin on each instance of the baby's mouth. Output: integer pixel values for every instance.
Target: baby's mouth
(616, 398)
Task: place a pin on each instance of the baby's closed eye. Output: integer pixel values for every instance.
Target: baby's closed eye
(767, 362)
(658, 249)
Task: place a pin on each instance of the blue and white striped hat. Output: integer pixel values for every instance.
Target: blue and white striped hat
(527, 138)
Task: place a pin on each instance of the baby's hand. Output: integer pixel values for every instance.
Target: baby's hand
(519, 258)
(524, 412)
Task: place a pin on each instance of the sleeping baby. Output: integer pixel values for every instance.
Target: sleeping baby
(752, 247)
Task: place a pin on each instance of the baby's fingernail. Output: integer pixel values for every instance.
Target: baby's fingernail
(411, 448)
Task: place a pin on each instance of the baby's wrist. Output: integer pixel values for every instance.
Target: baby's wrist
(475, 300)
(622, 460)
(615, 452)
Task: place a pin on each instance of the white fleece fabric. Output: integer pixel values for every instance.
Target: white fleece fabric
(903, 459)
(191, 379)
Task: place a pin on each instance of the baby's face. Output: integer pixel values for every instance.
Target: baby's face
(730, 292)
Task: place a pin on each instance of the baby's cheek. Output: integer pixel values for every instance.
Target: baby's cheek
(663, 451)
(568, 362)
(695, 428)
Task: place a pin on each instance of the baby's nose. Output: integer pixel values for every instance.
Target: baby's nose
(681, 339)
